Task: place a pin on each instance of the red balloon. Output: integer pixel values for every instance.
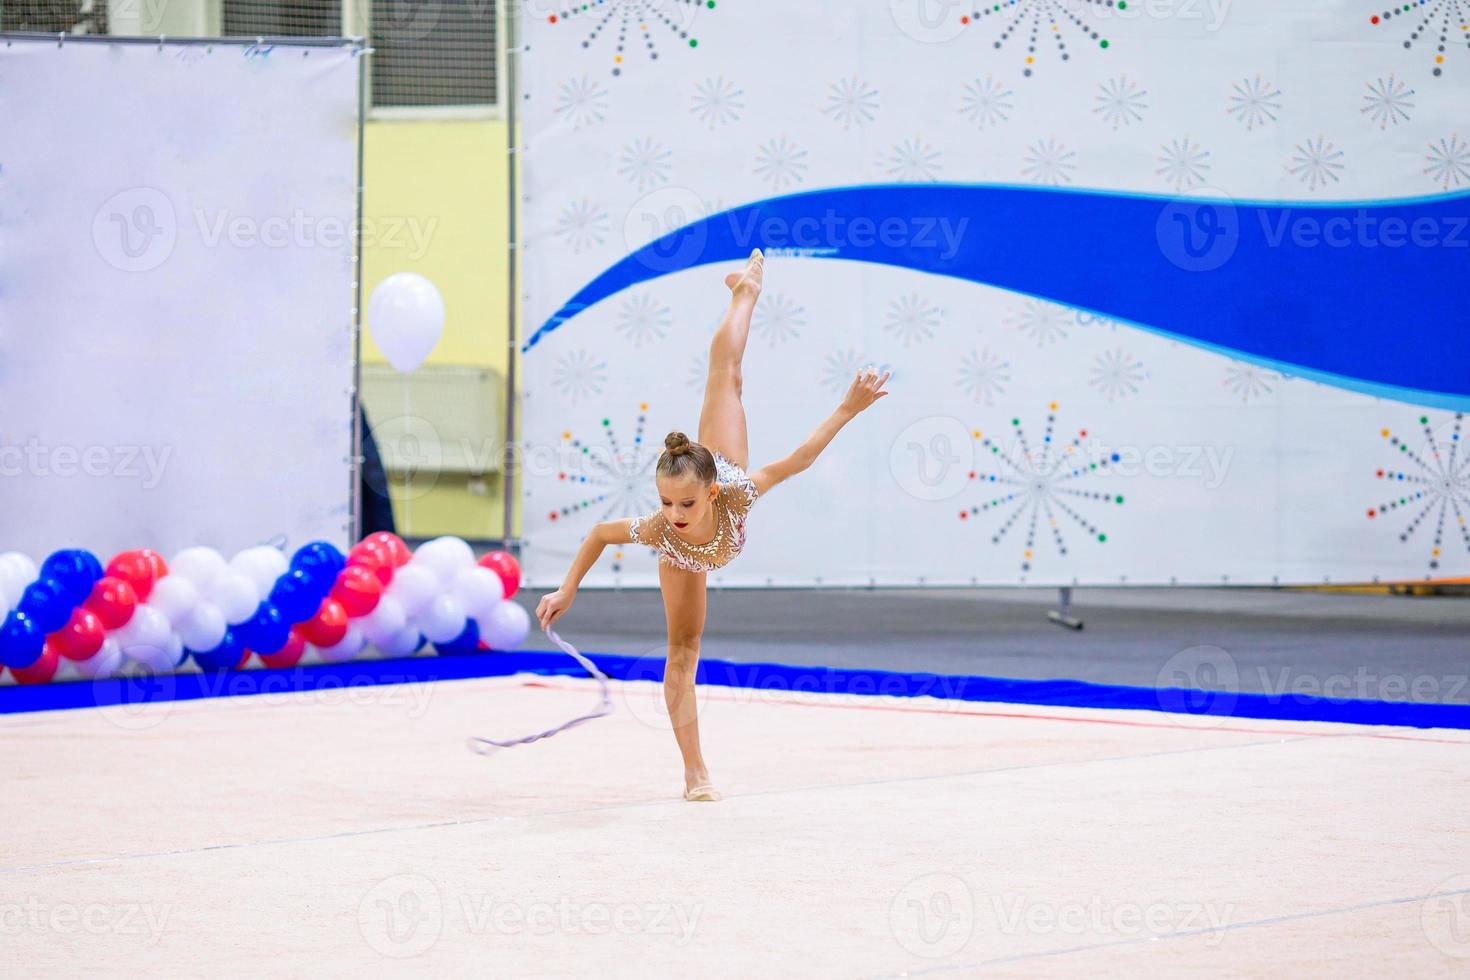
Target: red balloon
(134, 568)
(81, 636)
(160, 567)
(503, 563)
(327, 627)
(375, 558)
(113, 600)
(289, 655)
(42, 670)
(358, 589)
(244, 659)
(397, 550)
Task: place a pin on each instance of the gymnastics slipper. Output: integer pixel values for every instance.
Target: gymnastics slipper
(703, 793)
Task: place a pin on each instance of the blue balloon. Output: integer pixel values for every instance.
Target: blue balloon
(47, 604)
(21, 641)
(76, 570)
(321, 560)
(467, 641)
(296, 595)
(223, 657)
(265, 632)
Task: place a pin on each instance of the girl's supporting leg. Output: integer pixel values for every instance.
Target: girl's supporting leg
(684, 608)
(722, 420)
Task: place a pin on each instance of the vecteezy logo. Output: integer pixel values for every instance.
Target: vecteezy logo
(931, 459)
(664, 230)
(401, 916)
(1445, 917)
(930, 21)
(135, 230)
(1196, 235)
(933, 916)
(1199, 686)
(406, 21)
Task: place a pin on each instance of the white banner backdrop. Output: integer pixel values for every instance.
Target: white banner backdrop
(176, 294)
(1260, 406)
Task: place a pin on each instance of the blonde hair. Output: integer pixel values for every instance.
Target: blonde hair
(682, 458)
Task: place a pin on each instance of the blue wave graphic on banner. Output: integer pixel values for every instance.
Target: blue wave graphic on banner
(1363, 295)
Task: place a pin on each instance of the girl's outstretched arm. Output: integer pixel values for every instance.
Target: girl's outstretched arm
(866, 388)
(603, 533)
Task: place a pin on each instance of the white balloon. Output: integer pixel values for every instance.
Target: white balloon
(413, 586)
(441, 620)
(261, 565)
(507, 627)
(199, 565)
(175, 597)
(349, 646)
(104, 663)
(16, 572)
(406, 317)
(204, 628)
(22, 562)
(386, 619)
(446, 557)
(479, 590)
(236, 597)
(145, 638)
(402, 643)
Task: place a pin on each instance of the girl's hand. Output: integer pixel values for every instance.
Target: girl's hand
(866, 388)
(552, 605)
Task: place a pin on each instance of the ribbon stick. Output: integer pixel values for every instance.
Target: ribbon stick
(486, 745)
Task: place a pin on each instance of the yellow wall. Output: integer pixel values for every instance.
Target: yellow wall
(434, 203)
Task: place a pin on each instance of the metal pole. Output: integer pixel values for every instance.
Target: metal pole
(508, 93)
(356, 529)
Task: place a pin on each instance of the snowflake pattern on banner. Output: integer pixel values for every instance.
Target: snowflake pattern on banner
(1249, 381)
(615, 480)
(582, 101)
(642, 319)
(1316, 162)
(840, 367)
(717, 102)
(1034, 24)
(1434, 488)
(1254, 102)
(633, 24)
(698, 371)
(582, 225)
(645, 163)
(1049, 162)
(911, 161)
(1448, 162)
(983, 376)
(913, 319)
(779, 319)
(986, 102)
(1435, 24)
(1043, 322)
(1040, 483)
(1116, 375)
(780, 163)
(579, 373)
(1183, 163)
(1387, 102)
(1120, 101)
(851, 102)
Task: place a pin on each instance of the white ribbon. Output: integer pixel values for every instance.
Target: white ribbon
(486, 745)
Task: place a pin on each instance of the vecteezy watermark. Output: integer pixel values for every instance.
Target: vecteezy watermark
(1362, 228)
(1100, 918)
(145, 464)
(932, 458)
(405, 915)
(665, 232)
(135, 230)
(1198, 686)
(299, 229)
(933, 916)
(1198, 235)
(146, 921)
(1445, 917)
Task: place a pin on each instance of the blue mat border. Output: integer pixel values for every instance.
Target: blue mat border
(722, 673)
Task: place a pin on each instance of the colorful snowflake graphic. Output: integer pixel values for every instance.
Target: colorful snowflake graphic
(1038, 24)
(913, 319)
(1316, 162)
(1254, 102)
(851, 102)
(1448, 162)
(1433, 486)
(613, 479)
(1045, 482)
(582, 101)
(983, 376)
(986, 102)
(1387, 102)
(1436, 24)
(642, 319)
(913, 160)
(1120, 101)
(1249, 381)
(633, 27)
(581, 225)
(1183, 164)
(780, 163)
(1043, 322)
(841, 366)
(698, 371)
(717, 102)
(645, 163)
(1049, 162)
(579, 373)
(779, 319)
(1116, 374)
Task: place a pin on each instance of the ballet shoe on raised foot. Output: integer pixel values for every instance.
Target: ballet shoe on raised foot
(748, 281)
(703, 793)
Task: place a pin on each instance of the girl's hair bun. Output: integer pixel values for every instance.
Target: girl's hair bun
(677, 444)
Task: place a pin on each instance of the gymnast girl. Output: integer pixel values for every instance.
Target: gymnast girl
(704, 497)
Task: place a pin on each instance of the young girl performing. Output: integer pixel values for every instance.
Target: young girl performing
(704, 496)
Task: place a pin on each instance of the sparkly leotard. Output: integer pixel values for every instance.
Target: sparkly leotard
(732, 503)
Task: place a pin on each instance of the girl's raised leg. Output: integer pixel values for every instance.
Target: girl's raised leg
(722, 420)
